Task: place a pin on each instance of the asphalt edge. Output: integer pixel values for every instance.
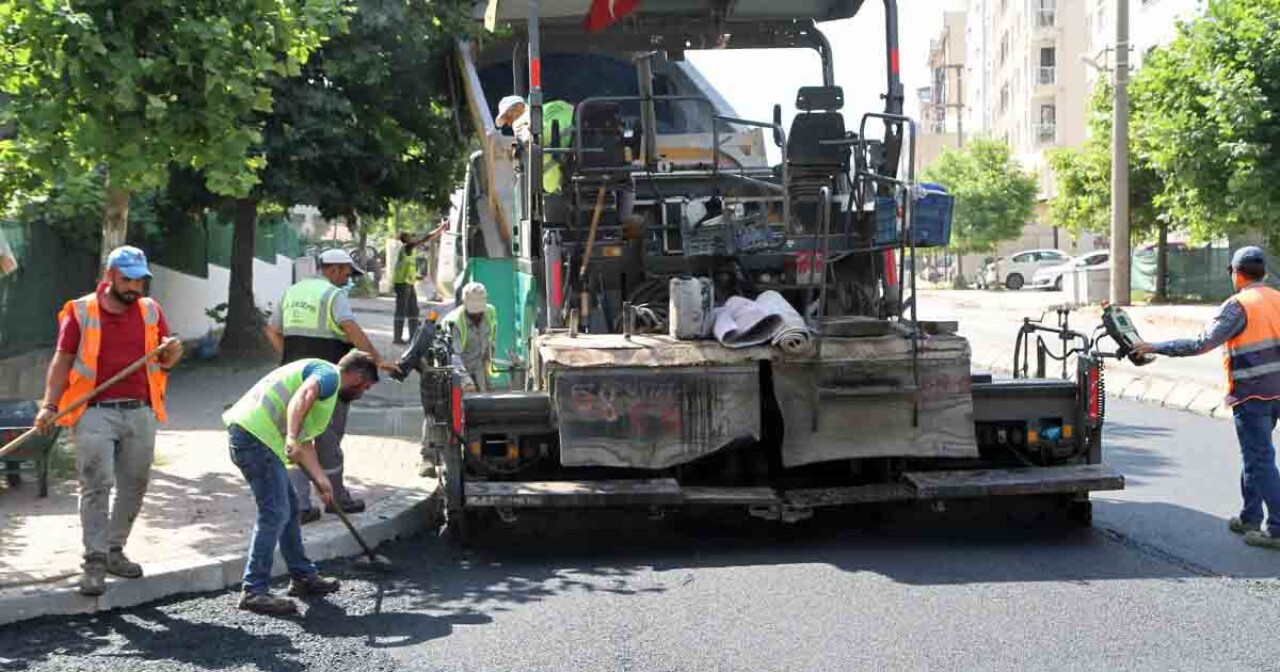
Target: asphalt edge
(398, 516)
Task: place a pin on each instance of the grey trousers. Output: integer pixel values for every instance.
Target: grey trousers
(329, 452)
(114, 448)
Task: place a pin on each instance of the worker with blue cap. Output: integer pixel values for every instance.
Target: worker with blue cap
(1248, 325)
(100, 335)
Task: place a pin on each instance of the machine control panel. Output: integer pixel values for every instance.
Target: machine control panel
(1120, 328)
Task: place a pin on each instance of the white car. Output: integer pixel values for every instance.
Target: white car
(1016, 270)
(1051, 277)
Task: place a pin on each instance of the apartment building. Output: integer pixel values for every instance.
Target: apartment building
(942, 102)
(1151, 24)
(1029, 86)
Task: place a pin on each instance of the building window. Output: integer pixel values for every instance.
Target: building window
(1048, 71)
(1004, 98)
(1004, 47)
(1047, 129)
(1046, 13)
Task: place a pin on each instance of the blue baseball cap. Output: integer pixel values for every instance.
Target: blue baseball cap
(130, 261)
(1251, 258)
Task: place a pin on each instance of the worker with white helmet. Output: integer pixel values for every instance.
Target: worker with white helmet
(513, 111)
(473, 330)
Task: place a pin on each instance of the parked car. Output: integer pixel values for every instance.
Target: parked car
(1051, 277)
(1016, 270)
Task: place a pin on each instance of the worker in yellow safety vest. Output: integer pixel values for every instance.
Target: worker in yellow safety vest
(315, 319)
(275, 423)
(514, 112)
(473, 333)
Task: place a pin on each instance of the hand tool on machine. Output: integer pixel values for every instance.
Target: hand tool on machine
(13, 445)
(371, 560)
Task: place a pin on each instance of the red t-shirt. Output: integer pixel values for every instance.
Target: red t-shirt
(123, 342)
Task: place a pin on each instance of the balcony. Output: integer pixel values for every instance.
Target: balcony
(1046, 75)
(1046, 133)
(1046, 18)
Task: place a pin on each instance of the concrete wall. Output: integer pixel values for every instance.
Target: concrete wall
(184, 298)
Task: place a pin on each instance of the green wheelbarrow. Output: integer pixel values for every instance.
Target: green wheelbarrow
(32, 457)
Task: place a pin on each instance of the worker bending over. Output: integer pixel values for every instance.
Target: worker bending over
(273, 425)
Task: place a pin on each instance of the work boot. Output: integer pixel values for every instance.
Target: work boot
(1263, 539)
(118, 564)
(312, 585)
(349, 506)
(308, 516)
(1238, 526)
(268, 604)
(427, 470)
(94, 581)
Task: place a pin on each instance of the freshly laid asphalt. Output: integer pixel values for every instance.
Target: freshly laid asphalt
(1157, 584)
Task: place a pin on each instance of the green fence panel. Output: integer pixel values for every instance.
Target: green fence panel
(219, 237)
(1198, 274)
(499, 279)
(50, 272)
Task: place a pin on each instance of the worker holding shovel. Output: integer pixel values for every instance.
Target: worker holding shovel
(107, 382)
(274, 424)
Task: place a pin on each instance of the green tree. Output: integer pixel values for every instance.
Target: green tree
(1082, 176)
(132, 87)
(368, 121)
(1207, 117)
(994, 196)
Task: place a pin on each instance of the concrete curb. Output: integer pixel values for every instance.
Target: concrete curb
(1130, 385)
(390, 518)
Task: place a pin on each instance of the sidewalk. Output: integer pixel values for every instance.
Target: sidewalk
(990, 320)
(194, 529)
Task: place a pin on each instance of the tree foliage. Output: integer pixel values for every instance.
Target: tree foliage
(1207, 117)
(370, 120)
(994, 196)
(131, 87)
(1082, 176)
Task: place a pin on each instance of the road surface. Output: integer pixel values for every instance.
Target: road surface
(1157, 584)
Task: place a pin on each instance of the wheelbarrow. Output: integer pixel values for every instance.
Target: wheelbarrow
(32, 457)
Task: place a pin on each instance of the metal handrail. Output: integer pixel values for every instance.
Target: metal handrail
(782, 134)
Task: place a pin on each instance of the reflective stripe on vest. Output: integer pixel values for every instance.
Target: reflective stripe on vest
(263, 410)
(1252, 358)
(307, 310)
(84, 369)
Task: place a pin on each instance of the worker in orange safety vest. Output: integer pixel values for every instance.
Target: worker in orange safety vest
(99, 335)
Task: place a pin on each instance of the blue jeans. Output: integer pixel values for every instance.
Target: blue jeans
(277, 512)
(1259, 479)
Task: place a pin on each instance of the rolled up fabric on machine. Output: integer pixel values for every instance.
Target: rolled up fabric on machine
(769, 319)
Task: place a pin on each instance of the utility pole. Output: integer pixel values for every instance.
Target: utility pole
(1120, 294)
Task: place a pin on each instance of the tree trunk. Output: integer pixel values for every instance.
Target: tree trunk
(243, 337)
(1162, 264)
(115, 219)
(959, 281)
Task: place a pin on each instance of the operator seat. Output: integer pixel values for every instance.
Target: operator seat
(818, 150)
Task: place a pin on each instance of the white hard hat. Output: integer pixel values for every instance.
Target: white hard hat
(475, 298)
(337, 256)
(506, 104)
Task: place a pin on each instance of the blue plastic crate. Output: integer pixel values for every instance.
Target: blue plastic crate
(932, 215)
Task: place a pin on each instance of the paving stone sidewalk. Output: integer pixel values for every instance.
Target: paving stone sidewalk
(194, 528)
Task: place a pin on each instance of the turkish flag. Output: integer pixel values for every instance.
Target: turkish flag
(605, 12)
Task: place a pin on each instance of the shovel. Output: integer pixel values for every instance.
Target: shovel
(370, 560)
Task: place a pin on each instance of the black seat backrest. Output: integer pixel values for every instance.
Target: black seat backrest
(819, 120)
(602, 129)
